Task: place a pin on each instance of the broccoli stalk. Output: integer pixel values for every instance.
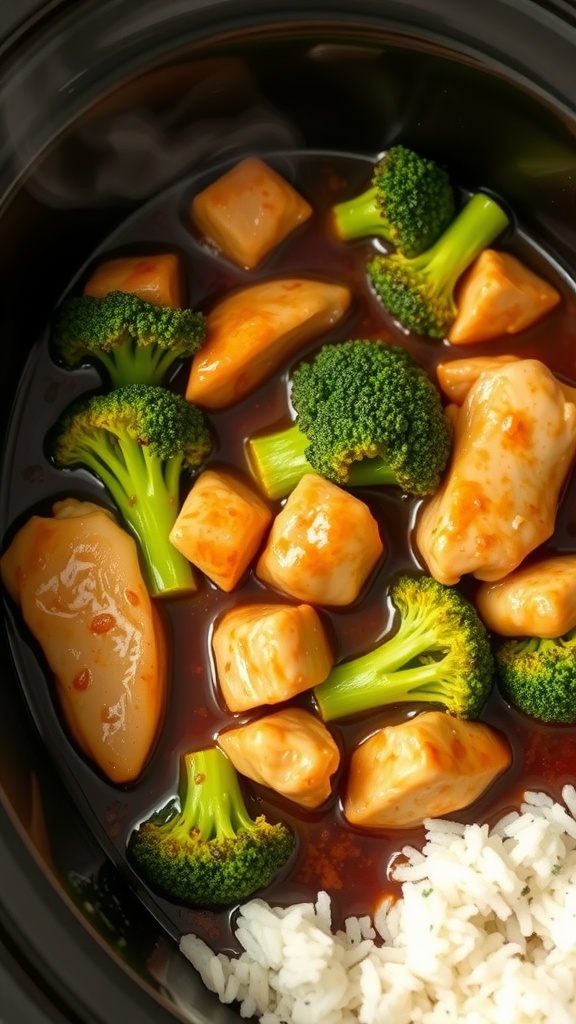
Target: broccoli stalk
(211, 853)
(409, 203)
(419, 292)
(279, 460)
(137, 440)
(135, 341)
(440, 654)
(538, 676)
(367, 414)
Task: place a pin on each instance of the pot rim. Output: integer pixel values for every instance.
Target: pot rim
(71, 53)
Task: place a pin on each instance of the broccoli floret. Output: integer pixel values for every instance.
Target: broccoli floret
(419, 292)
(538, 676)
(440, 654)
(134, 340)
(137, 440)
(367, 414)
(212, 853)
(410, 203)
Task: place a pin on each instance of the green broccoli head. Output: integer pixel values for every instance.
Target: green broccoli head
(409, 203)
(136, 341)
(163, 424)
(212, 853)
(409, 290)
(360, 400)
(419, 292)
(367, 414)
(538, 677)
(440, 654)
(137, 440)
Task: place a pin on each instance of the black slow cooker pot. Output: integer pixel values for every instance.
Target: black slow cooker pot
(486, 86)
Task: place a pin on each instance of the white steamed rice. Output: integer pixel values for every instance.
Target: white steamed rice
(484, 933)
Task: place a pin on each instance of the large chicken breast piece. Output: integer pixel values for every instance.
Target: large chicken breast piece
(77, 579)
(514, 441)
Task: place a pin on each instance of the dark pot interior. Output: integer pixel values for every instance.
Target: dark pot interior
(103, 105)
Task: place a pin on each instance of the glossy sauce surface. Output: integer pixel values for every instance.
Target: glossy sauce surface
(353, 866)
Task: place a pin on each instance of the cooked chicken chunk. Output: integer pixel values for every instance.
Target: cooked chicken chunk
(515, 438)
(323, 545)
(291, 751)
(499, 295)
(535, 600)
(427, 767)
(78, 582)
(221, 525)
(268, 653)
(456, 377)
(253, 331)
(248, 211)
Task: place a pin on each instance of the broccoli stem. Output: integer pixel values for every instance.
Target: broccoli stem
(379, 677)
(370, 472)
(151, 513)
(130, 363)
(361, 216)
(373, 687)
(213, 802)
(279, 462)
(477, 225)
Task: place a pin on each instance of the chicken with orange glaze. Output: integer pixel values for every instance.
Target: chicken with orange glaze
(456, 376)
(268, 653)
(323, 545)
(535, 600)
(77, 579)
(515, 438)
(428, 766)
(290, 751)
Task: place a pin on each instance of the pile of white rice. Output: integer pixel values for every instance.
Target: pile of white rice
(485, 932)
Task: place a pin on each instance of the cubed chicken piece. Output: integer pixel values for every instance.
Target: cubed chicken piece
(248, 211)
(290, 751)
(456, 377)
(221, 526)
(498, 296)
(535, 600)
(427, 767)
(157, 279)
(268, 653)
(77, 579)
(514, 441)
(252, 332)
(323, 545)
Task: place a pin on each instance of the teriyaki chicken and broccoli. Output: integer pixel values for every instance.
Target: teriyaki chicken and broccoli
(303, 566)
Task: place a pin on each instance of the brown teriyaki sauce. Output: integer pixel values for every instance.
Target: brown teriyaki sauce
(353, 866)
